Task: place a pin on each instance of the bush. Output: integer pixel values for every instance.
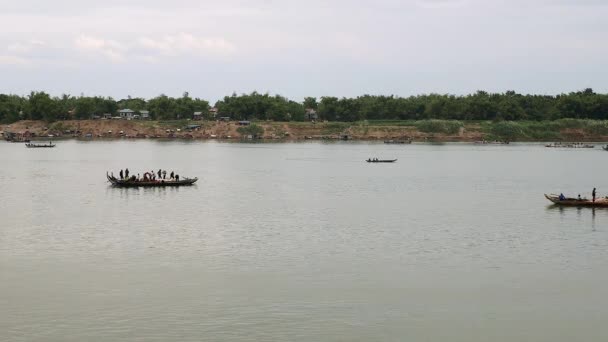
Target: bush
(507, 130)
(439, 126)
(254, 130)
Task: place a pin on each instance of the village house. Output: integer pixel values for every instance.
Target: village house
(106, 116)
(213, 113)
(126, 114)
(197, 116)
(311, 114)
(145, 115)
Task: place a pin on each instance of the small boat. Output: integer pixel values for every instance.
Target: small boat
(127, 183)
(575, 202)
(32, 145)
(570, 145)
(397, 141)
(381, 160)
(495, 142)
(605, 148)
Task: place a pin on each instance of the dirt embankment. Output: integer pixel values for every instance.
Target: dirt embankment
(226, 130)
(97, 129)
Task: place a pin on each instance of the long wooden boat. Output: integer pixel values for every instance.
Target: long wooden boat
(127, 183)
(570, 145)
(397, 141)
(381, 160)
(32, 145)
(575, 202)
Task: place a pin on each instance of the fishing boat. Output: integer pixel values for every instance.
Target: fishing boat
(495, 142)
(32, 145)
(381, 160)
(128, 183)
(397, 141)
(570, 145)
(575, 202)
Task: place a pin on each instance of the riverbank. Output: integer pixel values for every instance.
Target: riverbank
(425, 130)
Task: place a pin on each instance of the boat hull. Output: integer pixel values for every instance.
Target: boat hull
(573, 202)
(382, 161)
(150, 184)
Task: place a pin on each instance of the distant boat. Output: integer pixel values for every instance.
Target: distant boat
(605, 148)
(397, 141)
(495, 142)
(32, 145)
(381, 160)
(127, 183)
(570, 145)
(575, 202)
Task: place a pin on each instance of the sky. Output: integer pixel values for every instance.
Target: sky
(343, 48)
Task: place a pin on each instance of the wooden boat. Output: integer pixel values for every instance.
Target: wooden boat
(397, 141)
(495, 142)
(381, 160)
(32, 145)
(570, 145)
(126, 183)
(575, 202)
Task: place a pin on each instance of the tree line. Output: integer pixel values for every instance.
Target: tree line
(481, 105)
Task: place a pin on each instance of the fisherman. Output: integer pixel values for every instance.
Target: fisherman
(127, 173)
(172, 175)
(164, 174)
(159, 173)
(593, 194)
(121, 174)
(579, 197)
(177, 178)
(562, 197)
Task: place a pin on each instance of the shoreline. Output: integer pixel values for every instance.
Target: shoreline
(284, 131)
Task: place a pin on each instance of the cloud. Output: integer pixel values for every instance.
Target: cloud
(13, 60)
(25, 47)
(110, 49)
(186, 43)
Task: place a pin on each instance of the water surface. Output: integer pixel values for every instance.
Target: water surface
(302, 242)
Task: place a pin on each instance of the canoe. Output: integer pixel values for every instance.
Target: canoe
(397, 141)
(381, 161)
(49, 145)
(124, 183)
(575, 202)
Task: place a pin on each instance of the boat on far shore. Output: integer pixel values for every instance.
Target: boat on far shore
(409, 141)
(575, 202)
(381, 160)
(570, 145)
(33, 145)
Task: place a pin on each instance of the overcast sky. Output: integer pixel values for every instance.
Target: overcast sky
(302, 48)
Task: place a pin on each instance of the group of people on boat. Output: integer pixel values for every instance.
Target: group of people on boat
(593, 196)
(150, 176)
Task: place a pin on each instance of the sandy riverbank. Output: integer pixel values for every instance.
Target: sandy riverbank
(95, 129)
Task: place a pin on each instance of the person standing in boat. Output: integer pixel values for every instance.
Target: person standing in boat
(121, 174)
(593, 194)
(127, 173)
(164, 174)
(172, 175)
(177, 178)
(159, 173)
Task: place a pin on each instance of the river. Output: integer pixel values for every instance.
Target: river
(302, 242)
